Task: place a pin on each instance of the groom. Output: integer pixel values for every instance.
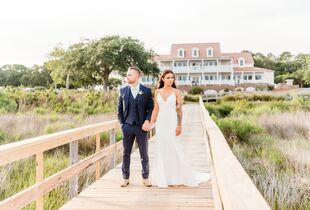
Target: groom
(135, 105)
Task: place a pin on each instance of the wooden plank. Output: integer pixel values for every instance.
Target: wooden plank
(97, 150)
(39, 178)
(237, 191)
(106, 193)
(112, 137)
(74, 158)
(216, 194)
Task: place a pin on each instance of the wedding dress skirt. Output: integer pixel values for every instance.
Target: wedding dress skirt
(170, 166)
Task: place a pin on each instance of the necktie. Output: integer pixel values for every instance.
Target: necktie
(134, 92)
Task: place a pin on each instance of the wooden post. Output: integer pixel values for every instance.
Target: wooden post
(97, 150)
(154, 131)
(151, 133)
(74, 158)
(112, 135)
(39, 178)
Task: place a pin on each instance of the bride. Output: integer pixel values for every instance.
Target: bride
(170, 167)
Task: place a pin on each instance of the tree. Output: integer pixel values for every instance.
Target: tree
(114, 53)
(55, 67)
(36, 76)
(91, 62)
(298, 77)
(11, 74)
(306, 76)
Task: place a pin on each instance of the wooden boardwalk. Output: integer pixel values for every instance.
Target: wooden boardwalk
(106, 193)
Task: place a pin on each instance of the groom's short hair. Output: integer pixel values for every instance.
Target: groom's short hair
(136, 68)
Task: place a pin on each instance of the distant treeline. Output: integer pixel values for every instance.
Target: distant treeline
(83, 64)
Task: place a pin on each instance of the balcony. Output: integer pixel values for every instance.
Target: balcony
(200, 69)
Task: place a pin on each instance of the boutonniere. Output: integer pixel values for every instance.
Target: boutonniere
(140, 92)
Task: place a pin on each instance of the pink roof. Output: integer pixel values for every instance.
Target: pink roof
(162, 57)
(250, 69)
(246, 55)
(202, 47)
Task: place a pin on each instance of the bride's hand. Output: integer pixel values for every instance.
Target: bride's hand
(151, 125)
(178, 130)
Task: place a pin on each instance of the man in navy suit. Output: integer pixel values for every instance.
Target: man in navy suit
(135, 105)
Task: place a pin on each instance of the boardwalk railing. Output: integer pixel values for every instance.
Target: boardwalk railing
(232, 187)
(36, 146)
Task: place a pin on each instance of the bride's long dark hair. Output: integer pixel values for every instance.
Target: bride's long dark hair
(161, 82)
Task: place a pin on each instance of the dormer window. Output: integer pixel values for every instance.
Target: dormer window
(181, 53)
(241, 61)
(210, 52)
(195, 53)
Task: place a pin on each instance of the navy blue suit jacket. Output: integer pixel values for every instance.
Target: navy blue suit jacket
(145, 104)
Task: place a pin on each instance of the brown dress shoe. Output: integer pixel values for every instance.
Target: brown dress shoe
(125, 183)
(147, 182)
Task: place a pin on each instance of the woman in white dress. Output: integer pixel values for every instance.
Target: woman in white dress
(170, 167)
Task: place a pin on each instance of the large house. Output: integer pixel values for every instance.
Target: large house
(205, 64)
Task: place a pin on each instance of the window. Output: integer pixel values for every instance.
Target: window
(195, 53)
(184, 78)
(227, 77)
(210, 52)
(245, 77)
(206, 77)
(213, 77)
(250, 77)
(241, 61)
(180, 78)
(210, 63)
(181, 53)
(258, 77)
(180, 63)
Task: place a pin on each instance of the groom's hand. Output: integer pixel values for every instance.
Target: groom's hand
(146, 125)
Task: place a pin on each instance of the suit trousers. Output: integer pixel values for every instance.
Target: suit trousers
(130, 133)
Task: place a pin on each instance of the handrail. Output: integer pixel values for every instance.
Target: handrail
(236, 189)
(36, 146)
(22, 149)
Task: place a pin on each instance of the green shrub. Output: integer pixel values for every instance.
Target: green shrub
(2, 136)
(252, 97)
(40, 110)
(191, 98)
(238, 89)
(62, 101)
(237, 130)
(7, 104)
(3, 111)
(196, 90)
(219, 110)
(270, 87)
(260, 87)
(280, 105)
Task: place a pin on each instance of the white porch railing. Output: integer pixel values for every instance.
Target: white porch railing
(192, 69)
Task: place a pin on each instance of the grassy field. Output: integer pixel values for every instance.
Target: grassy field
(271, 138)
(29, 114)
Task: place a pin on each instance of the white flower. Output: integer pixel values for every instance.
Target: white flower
(140, 92)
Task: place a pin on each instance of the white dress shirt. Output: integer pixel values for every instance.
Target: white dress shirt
(135, 90)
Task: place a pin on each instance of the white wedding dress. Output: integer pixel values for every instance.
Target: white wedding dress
(170, 166)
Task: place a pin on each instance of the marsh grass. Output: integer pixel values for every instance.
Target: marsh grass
(277, 155)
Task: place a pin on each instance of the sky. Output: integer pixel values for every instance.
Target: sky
(30, 29)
